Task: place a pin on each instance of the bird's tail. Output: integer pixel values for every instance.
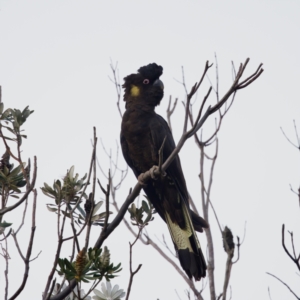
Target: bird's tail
(188, 247)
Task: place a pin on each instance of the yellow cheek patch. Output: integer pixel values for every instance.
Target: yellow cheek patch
(135, 91)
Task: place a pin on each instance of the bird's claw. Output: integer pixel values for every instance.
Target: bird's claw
(152, 174)
(155, 169)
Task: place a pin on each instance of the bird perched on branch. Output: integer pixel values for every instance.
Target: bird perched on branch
(142, 135)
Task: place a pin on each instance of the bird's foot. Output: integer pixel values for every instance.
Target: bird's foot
(155, 173)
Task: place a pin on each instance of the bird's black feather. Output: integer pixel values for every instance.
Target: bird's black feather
(142, 134)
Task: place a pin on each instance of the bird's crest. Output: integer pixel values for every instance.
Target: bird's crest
(151, 71)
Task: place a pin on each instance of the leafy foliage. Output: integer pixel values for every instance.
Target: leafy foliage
(92, 265)
(11, 179)
(68, 192)
(137, 214)
(3, 226)
(16, 118)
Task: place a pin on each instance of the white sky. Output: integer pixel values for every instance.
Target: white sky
(55, 56)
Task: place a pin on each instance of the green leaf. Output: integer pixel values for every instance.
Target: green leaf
(5, 224)
(148, 217)
(97, 206)
(6, 114)
(71, 173)
(21, 183)
(61, 263)
(99, 216)
(17, 170)
(52, 209)
(82, 212)
(69, 265)
(117, 267)
(58, 183)
(145, 206)
(14, 188)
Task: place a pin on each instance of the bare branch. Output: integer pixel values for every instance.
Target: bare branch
(238, 248)
(132, 273)
(116, 82)
(284, 284)
(205, 207)
(50, 277)
(160, 155)
(229, 249)
(51, 289)
(92, 195)
(29, 249)
(23, 217)
(89, 174)
(106, 193)
(191, 94)
(166, 245)
(6, 258)
(269, 292)
(294, 259)
(298, 147)
(170, 111)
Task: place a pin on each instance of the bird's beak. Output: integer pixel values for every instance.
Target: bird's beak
(159, 83)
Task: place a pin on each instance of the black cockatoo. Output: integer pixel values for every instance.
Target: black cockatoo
(142, 135)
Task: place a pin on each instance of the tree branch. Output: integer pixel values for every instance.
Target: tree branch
(29, 249)
(284, 284)
(186, 135)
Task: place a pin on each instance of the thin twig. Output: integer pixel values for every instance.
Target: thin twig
(132, 273)
(229, 249)
(51, 289)
(269, 293)
(160, 155)
(284, 284)
(92, 195)
(298, 147)
(295, 259)
(106, 193)
(6, 258)
(116, 82)
(59, 246)
(170, 111)
(29, 249)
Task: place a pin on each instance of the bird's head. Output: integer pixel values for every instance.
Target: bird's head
(144, 88)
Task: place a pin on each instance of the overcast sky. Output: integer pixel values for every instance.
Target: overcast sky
(55, 57)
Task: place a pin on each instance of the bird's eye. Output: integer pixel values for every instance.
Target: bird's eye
(146, 81)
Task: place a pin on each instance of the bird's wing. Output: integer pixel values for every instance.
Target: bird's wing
(126, 155)
(160, 130)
